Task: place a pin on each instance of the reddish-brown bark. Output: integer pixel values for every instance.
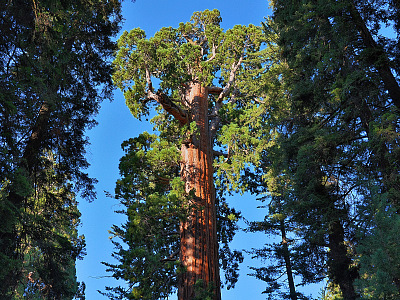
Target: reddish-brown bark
(199, 248)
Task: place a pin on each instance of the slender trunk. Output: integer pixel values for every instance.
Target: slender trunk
(199, 248)
(288, 264)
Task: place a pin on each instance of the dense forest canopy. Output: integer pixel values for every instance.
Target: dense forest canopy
(54, 73)
(302, 112)
(333, 176)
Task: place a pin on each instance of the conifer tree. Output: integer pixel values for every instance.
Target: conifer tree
(206, 100)
(339, 141)
(53, 74)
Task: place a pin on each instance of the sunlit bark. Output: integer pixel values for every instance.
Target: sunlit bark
(199, 248)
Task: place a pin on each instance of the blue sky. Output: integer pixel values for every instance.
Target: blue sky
(116, 124)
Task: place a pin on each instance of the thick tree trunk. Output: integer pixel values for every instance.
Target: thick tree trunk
(339, 263)
(199, 248)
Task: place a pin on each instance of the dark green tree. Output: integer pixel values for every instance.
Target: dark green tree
(53, 75)
(279, 254)
(50, 244)
(288, 259)
(154, 198)
(339, 140)
(206, 100)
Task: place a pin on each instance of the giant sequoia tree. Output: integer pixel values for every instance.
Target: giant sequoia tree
(53, 75)
(207, 87)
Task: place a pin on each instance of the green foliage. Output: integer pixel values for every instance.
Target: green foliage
(154, 197)
(335, 152)
(233, 64)
(203, 293)
(283, 254)
(196, 50)
(50, 241)
(53, 75)
(331, 292)
(378, 250)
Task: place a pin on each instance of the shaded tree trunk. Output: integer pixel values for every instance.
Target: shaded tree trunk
(339, 262)
(199, 247)
(288, 264)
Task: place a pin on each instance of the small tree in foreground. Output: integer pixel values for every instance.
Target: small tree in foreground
(209, 80)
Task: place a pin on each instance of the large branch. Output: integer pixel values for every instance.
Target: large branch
(222, 93)
(232, 75)
(166, 102)
(214, 53)
(216, 90)
(382, 65)
(169, 106)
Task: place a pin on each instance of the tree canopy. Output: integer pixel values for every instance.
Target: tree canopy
(208, 83)
(54, 73)
(335, 160)
(302, 112)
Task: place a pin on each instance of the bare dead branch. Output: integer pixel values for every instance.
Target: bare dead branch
(222, 93)
(214, 53)
(148, 80)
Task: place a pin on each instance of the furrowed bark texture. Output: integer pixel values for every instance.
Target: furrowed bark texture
(199, 248)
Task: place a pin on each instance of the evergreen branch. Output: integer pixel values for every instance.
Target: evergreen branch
(165, 101)
(172, 257)
(169, 106)
(215, 90)
(219, 153)
(381, 62)
(164, 180)
(189, 40)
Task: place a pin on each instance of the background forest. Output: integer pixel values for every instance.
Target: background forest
(302, 114)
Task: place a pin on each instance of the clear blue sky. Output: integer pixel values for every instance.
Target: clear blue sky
(116, 124)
